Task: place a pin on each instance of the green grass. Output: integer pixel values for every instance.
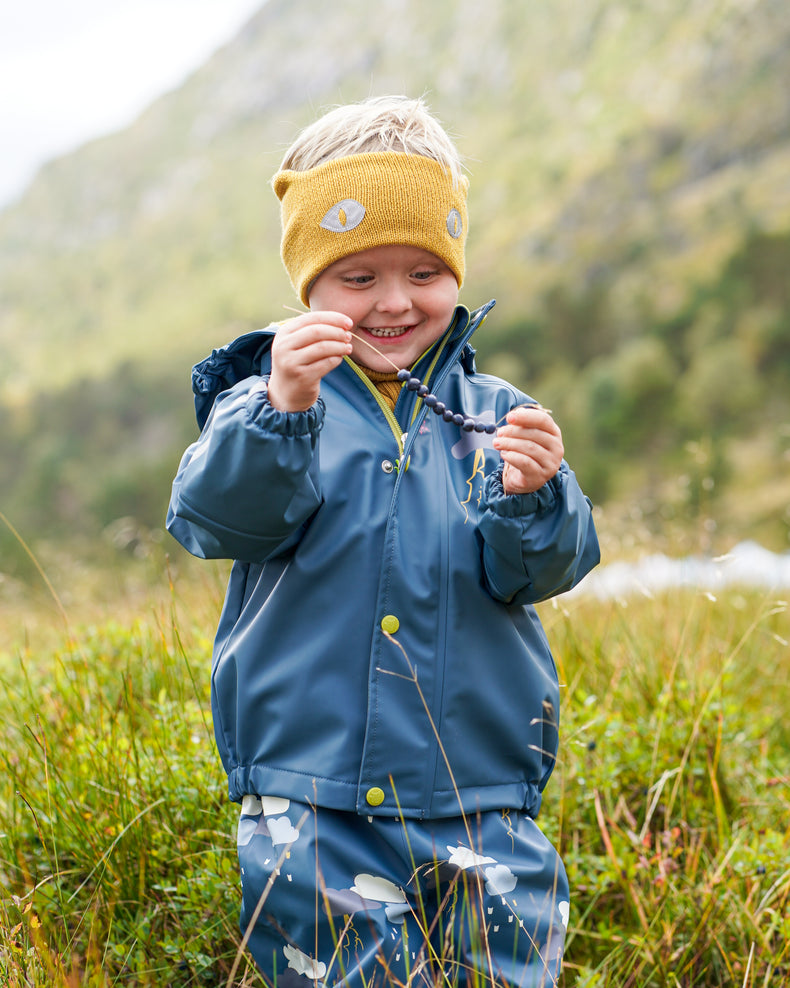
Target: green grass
(674, 790)
(671, 800)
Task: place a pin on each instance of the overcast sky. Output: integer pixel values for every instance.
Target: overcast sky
(71, 70)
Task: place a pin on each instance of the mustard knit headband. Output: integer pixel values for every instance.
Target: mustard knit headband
(349, 204)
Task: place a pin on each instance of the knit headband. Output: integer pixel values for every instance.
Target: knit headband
(349, 204)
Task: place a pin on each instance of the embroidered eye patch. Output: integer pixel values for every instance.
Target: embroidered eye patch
(343, 216)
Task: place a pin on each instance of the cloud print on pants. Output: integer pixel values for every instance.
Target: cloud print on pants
(246, 829)
(346, 902)
(397, 912)
(249, 827)
(464, 857)
(376, 887)
(303, 964)
(500, 879)
(282, 830)
(274, 805)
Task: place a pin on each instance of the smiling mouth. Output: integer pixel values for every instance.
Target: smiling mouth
(386, 332)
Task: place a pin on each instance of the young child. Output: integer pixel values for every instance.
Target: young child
(384, 698)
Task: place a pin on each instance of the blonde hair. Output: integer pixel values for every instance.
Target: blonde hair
(380, 123)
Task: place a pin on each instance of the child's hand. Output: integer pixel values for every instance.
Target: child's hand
(304, 350)
(530, 443)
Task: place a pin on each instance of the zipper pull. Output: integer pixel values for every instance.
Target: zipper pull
(403, 439)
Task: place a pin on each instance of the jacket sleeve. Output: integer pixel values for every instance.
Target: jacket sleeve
(536, 545)
(250, 481)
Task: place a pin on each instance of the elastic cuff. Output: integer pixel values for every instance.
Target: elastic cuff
(289, 424)
(517, 505)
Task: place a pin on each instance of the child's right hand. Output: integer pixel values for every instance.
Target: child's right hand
(304, 350)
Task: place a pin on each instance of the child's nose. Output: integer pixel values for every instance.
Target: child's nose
(393, 298)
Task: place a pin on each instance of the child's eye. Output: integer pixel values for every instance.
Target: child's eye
(358, 279)
(423, 275)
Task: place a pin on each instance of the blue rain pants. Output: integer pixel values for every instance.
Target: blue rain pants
(333, 898)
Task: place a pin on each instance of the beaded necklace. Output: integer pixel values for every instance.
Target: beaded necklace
(467, 423)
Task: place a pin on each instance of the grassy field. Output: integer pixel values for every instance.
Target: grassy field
(671, 800)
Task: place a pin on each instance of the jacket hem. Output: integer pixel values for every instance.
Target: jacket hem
(335, 794)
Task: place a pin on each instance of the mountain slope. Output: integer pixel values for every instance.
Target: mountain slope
(629, 168)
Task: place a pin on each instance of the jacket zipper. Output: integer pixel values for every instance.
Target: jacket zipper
(389, 415)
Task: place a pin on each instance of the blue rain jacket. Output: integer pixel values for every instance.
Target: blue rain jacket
(378, 650)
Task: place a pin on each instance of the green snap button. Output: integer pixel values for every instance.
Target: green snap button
(374, 796)
(390, 624)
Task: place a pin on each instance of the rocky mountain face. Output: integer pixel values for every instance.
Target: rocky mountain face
(629, 201)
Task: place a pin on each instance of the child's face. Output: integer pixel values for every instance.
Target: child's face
(401, 300)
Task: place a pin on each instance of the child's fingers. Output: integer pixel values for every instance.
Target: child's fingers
(529, 425)
(298, 335)
(310, 349)
(308, 375)
(506, 436)
(530, 444)
(532, 417)
(528, 457)
(304, 350)
(524, 473)
(532, 441)
(326, 319)
(300, 346)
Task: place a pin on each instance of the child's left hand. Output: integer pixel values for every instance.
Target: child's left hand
(530, 443)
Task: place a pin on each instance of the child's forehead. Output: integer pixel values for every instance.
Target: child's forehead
(388, 256)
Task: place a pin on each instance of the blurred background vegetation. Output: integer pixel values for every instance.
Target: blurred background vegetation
(630, 211)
